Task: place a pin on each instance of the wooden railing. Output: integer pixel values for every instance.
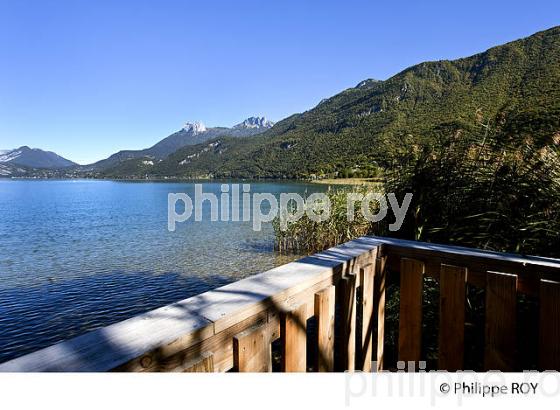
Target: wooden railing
(327, 312)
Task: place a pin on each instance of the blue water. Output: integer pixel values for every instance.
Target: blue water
(78, 255)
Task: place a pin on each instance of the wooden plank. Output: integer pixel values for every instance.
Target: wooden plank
(348, 321)
(308, 297)
(410, 318)
(236, 301)
(549, 325)
(324, 312)
(393, 245)
(251, 350)
(452, 296)
(221, 345)
(528, 268)
(293, 327)
(501, 311)
(367, 281)
(274, 324)
(380, 303)
(202, 364)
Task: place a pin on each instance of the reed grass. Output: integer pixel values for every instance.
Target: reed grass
(306, 236)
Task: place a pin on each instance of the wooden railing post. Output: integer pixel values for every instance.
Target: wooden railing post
(452, 280)
(348, 322)
(251, 350)
(410, 317)
(380, 304)
(324, 312)
(294, 339)
(549, 325)
(367, 280)
(501, 311)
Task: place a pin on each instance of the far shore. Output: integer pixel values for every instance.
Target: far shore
(325, 181)
(348, 181)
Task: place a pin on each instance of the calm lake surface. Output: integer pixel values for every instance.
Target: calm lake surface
(77, 255)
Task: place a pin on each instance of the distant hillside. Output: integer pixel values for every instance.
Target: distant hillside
(32, 158)
(515, 86)
(7, 170)
(190, 134)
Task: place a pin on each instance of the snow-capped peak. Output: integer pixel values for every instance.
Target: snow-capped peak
(255, 122)
(194, 127)
(9, 155)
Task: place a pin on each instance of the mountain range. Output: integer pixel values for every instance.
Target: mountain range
(515, 86)
(33, 158)
(191, 134)
(25, 161)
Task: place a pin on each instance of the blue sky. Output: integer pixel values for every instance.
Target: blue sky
(88, 78)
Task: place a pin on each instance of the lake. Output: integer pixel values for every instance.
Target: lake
(76, 255)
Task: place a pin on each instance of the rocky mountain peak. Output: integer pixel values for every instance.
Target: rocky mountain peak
(367, 83)
(255, 122)
(194, 127)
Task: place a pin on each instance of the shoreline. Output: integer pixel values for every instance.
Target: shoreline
(326, 181)
(348, 181)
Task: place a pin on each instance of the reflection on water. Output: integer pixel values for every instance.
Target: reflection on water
(77, 255)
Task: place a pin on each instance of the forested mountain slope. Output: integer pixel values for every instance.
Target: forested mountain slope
(514, 87)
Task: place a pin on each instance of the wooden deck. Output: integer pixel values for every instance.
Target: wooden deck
(343, 290)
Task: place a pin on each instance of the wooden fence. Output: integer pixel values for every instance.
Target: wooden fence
(327, 312)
